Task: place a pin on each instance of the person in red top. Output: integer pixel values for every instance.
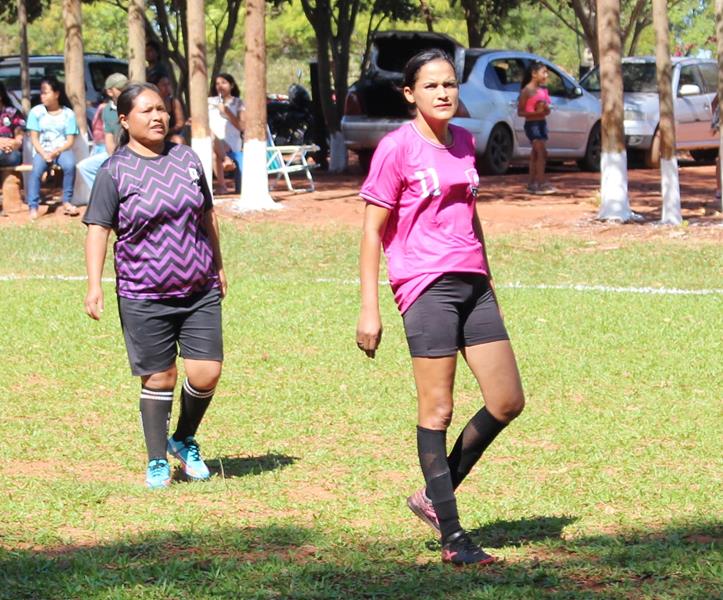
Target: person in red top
(534, 105)
(420, 206)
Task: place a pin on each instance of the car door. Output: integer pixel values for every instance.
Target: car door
(504, 75)
(568, 121)
(692, 112)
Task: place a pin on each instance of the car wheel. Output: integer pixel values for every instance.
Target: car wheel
(497, 156)
(651, 157)
(365, 160)
(706, 157)
(591, 160)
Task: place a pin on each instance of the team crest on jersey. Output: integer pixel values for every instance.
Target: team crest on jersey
(473, 180)
(195, 177)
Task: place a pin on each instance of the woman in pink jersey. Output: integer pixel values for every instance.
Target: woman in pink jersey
(420, 195)
(534, 105)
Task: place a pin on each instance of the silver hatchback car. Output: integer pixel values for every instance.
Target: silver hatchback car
(489, 90)
(695, 84)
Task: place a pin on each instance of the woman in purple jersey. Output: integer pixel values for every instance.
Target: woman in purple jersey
(420, 196)
(169, 275)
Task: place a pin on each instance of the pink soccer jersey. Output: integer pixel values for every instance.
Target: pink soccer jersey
(430, 190)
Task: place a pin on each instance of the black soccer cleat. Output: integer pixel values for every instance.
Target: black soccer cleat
(459, 549)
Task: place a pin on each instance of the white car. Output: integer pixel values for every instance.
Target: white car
(489, 89)
(695, 84)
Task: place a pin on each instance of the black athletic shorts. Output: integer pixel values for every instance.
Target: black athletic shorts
(155, 330)
(456, 311)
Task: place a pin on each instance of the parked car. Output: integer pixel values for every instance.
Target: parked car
(97, 68)
(489, 89)
(695, 84)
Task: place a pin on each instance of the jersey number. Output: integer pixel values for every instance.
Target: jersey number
(431, 172)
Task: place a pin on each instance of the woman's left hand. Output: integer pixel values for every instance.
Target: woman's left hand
(224, 283)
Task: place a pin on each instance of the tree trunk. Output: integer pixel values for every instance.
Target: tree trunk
(74, 65)
(670, 185)
(614, 204)
(136, 40)
(234, 6)
(473, 20)
(197, 86)
(427, 14)
(255, 181)
(719, 37)
(24, 63)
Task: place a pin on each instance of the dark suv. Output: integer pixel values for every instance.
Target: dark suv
(97, 68)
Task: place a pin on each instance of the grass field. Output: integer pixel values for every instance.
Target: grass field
(607, 486)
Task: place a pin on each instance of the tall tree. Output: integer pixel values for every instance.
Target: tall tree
(24, 60)
(719, 42)
(198, 85)
(670, 185)
(136, 40)
(484, 17)
(255, 181)
(581, 17)
(614, 204)
(74, 63)
(333, 22)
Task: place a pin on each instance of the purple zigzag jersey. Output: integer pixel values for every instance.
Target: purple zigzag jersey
(156, 208)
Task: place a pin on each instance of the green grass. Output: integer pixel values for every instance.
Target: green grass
(607, 486)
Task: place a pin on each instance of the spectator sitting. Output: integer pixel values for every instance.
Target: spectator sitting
(97, 134)
(53, 128)
(226, 121)
(174, 108)
(88, 167)
(12, 126)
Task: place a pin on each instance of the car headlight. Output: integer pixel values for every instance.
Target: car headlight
(633, 115)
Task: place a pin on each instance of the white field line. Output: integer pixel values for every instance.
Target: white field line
(576, 287)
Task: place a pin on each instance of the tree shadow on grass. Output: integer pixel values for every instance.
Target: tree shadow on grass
(241, 466)
(522, 531)
(292, 562)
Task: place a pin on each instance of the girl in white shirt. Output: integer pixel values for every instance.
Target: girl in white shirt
(226, 120)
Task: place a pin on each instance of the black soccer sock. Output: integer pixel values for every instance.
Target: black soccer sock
(432, 449)
(155, 414)
(193, 406)
(477, 435)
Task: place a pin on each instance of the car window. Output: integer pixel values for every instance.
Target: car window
(591, 82)
(639, 77)
(709, 72)
(99, 72)
(689, 75)
(555, 84)
(10, 75)
(505, 74)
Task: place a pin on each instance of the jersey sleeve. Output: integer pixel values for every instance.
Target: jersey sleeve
(104, 201)
(207, 198)
(383, 185)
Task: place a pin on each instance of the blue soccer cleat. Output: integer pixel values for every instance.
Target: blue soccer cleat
(158, 474)
(189, 454)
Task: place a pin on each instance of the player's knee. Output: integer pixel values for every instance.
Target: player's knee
(163, 380)
(513, 406)
(438, 414)
(206, 378)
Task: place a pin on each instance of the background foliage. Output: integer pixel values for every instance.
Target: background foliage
(291, 43)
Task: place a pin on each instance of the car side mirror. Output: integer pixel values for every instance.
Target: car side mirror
(689, 89)
(576, 92)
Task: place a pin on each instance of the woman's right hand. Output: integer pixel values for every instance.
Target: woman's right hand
(94, 302)
(369, 332)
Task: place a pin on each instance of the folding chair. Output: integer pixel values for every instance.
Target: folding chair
(284, 160)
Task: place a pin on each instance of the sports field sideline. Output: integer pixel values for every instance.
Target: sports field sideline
(607, 486)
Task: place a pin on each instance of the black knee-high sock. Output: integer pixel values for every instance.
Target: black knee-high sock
(193, 406)
(155, 414)
(432, 449)
(479, 433)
